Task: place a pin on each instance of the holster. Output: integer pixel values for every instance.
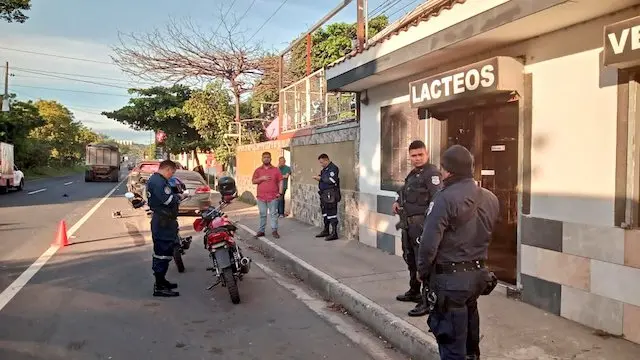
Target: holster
(491, 282)
(402, 224)
(330, 195)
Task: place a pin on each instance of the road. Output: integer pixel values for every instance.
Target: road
(92, 300)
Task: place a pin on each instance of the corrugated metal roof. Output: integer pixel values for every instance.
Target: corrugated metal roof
(420, 14)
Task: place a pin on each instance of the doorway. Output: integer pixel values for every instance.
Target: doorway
(491, 135)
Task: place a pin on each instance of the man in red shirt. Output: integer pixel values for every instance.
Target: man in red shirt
(269, 181)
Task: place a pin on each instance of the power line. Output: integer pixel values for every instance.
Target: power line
(391, 4)
(224, 16)
(69, 90)
(243, 15)
(268, 19)
(57, 56)
(402, 8)
(72, 79)
(79, 75)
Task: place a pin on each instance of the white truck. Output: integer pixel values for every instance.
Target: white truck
(10, 176)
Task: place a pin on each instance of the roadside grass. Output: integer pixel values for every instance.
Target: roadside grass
(46, 171)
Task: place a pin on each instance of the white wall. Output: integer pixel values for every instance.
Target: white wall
(574, 123)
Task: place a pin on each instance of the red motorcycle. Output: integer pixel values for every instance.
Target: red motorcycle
(229, 265)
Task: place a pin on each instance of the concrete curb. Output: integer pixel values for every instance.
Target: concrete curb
(401, 334)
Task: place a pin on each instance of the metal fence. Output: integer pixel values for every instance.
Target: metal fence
(306, 103)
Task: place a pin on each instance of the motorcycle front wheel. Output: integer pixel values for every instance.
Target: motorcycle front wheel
(231, 284)
(177, 257)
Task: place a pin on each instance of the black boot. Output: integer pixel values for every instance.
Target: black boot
(161, 287)
(421, 308)
(334, 233)
(410, 296)
(324, 232)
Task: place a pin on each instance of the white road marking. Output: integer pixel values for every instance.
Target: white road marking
(12, 290)
(369, 343)
(68, 183)
(36, 191)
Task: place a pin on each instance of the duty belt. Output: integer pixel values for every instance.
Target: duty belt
(463, 266)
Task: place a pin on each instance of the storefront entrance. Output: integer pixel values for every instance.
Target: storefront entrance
(491, 134)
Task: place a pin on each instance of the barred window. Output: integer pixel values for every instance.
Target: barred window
(399, 126)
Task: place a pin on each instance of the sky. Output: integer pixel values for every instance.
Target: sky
(88, 30)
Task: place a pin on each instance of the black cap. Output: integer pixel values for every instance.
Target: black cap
(458, 161)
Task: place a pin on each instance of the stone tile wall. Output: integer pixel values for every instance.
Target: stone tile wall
(588, 274)
(305, 203)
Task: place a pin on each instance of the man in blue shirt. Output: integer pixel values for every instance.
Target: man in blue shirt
(286, 172)
(164, 225)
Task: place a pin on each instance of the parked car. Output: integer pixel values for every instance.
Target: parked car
(198, 189)
(139, 175)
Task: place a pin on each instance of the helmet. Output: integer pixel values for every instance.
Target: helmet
(177, 185)
(227, 186)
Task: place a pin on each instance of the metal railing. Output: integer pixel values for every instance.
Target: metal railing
(306, 103)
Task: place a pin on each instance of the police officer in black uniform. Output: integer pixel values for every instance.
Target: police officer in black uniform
(420, 186)
(164, 225)
(329, 190)
(452, 256)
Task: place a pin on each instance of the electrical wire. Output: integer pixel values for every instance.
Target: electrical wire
(78, 75)
(69, 90)
(224, 17)
(243, 15)
(56, 56)
(72, 79)
(402, 8)
(268, 19)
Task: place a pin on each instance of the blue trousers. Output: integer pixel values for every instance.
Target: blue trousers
(281, 203)
(164, 234)
(455, 321)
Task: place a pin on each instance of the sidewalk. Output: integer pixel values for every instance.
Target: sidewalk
(365, 281)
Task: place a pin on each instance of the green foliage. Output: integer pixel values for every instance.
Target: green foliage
(330, 43)
(161, 108)
(12, 10)
(44, 134)
(211, 112)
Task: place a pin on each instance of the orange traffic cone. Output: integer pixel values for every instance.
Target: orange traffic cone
(61, 236)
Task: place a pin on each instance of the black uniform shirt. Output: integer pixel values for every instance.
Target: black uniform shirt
(420, 187)
(470, 241)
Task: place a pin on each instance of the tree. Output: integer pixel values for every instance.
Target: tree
(161, 108)
(60, 132)
(12, 10)
(15, 127)
(329, 44)
(211, 113)
(184, 52)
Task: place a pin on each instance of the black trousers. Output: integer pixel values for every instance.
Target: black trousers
(455, 321)
(329, 213)
(410, 252)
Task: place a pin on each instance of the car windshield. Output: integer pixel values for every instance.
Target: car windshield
(149, 168)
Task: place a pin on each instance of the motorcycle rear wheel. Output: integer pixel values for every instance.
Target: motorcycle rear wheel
(177, 257)
(231, 284)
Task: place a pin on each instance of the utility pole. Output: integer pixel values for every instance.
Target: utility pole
(5, 98)
(360, 30)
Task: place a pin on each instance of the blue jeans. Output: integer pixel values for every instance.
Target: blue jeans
(272, 207)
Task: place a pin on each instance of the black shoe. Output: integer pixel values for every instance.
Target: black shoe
(334, 233)
(421, 309)
(170, 285)
(163, 291)
(324, 232)
(410, 296)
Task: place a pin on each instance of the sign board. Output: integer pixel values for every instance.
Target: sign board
(498, 74)
(622, 43)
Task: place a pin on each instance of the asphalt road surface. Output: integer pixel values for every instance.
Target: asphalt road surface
(92, 299)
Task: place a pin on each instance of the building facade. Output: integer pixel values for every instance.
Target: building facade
(544, 94)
